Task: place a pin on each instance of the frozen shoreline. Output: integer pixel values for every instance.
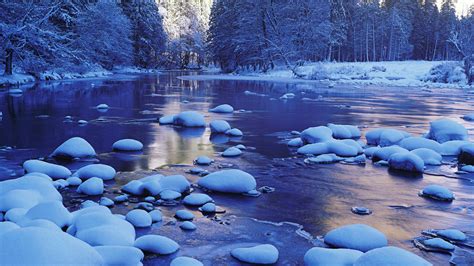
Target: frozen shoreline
(393, 74)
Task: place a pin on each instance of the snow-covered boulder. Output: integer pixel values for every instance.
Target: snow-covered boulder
(385, 153)
(75, 147)
(444, 129)
(134, 187)
(230, 181)
(219, 126)
(93, 186)
(235, 132)
(453, 147)
(104, 201)
(369, 152)
(184, 215)
(127, 145)
(406, 161)
(15, 214)
(314, 149)
(53, 211)
(156, 244)
(167, 120)
(296, 142)
(327, 256)
(223, 108)
(203, 160)
(344, 131)
(177, 183)
(40, 246)
(156, 216)
(208, 208)
(390, 256)
(19, 198)
(139, 218)
(385, 136)
(168, 194)
(101, 171)
(324, 159)
(429, 156)
(438, 243)
(316, 135)
(356, 236)
(412, 143)
(102, 106)
(188, 226)
(232, 152)
(73, 181)
(466, 154)
(120, 255)
(468, 117)
(31, 182)
(260, 254)
(52, 170)
(452, 234)
(197, 199)
(344, 148)
(185, 261)
(6, 227)
(43, 223)
(437, 192)
(190, 119)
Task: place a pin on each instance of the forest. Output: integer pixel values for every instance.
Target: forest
(80, 35)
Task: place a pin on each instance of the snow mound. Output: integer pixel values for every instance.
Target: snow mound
(43, 223)
(406, 161)
(190, 119)
(53, 170)
(102, 106)
(316, 134)
(184, 215)
(167, 120)
(412, 143)
(208, 208)
(385, 136)
(466, 154)
(203, 160)
(19, 198)
(356, 236)
(104, 201)
(219, 126)
(452, 234)
(383, 154)
(314, 149)
(344, 131)
(169, 194)
(327, 256)
(75, 147)
(53, 211)
(468, 117)
(73, 181)
(155, 184)
(453, 147)
(429, 156)
(156, 244)
(93, 186)
(324, 159)
(127, 145)
(235, 132)
(230, 181)
(223, 108)
(101, 171)
(390, 256)
(437, 192)
(296, 142)
(120, 255)
(444, 129)
(188, 226)
(15, 215)
(29, 248)
(185, 261)
(139, 218)
(438, 243)
(156, 216)
(6, 227)
(261, 254)
(32, 182)
(232, 152)
(197, 199)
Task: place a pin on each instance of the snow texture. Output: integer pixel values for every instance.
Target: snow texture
(390, 256)
(101, 171)
(93, 186)
(260, 254)
(52, 170)
(75, 147)
(139, 218)
(327, 256)
(230, 181)
(406, 161)
(219, 126)
(443, 130)
(156, 244)
(356, 236)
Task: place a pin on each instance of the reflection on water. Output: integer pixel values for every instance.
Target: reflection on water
(318, 196)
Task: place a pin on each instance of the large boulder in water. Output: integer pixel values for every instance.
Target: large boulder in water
(406, 161)
(75, 147)
(102, 171)
(40, 246)
(428, 156)
(260, 254)
(190, 119)
(328, 256)
(443, 130)
(316, 135)
(219, 126)
(466, 155)
(390, 256)
(223, 108)
(356, 236)
(230, 181)
(127, 145)
(52, 170)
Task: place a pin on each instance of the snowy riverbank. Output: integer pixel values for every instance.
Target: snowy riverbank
(396, 73)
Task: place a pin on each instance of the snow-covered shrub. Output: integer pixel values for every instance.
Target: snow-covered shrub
(449, 72)
(318, 72)
(378, 69)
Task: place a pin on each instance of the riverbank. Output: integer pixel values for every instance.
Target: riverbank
(436, 74)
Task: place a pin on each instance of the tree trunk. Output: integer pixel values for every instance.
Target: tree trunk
(468, 67)
(9, 62)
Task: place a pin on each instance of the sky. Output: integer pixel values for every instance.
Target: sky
(462, 6)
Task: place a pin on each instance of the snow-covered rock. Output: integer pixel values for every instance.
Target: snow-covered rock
(324, 159)
(235, 132)
(75, 147)
(188, 226)
(139, 218)
(176, 183)
(208, 208)
(156, 216)
(356, 236)
(385, 153)
(344, 148)
(168, 194)
(102, 106)
(406, 161)
(197, 199)
(73, 181)
(230, 181)
(219, 126)
(412, 143)
(134, 187)
(316, 135)
(390, 256)
(53, 211)
(203, 160)
(31, 182)
(156, 244)
(167, 120)
(314, 149)
(452, 147)
(429, 156)
(92, 187)
(104, 201)
(190, 119)
(60, 184)
(385, 136)
(127, 145)
(466, 155)
(52, 170)
(444, 129)
(43, 223)
(223, 108)
(369, 152)
(6, 227)
(327, 256)
(344, 131)
(296, 142)
(15, 214)
(468, 117)
(452, 234)
(261, 254)
(185, 261)
(101, 171)
(232, 152)
(40, 246)
(438, 243)
(437, 192)
(184, 215)
(120, 255)
(19, 198)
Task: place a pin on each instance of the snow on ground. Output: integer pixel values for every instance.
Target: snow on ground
(387, 73)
